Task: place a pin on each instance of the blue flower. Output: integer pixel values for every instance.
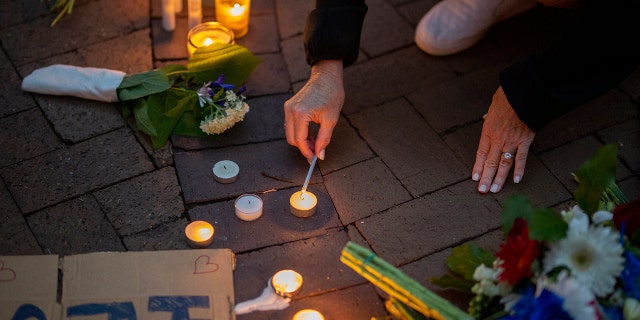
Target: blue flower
(546, 306)
(629, 276)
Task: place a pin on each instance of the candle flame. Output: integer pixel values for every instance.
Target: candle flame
(207, 42)
(286, 281)
(236, 10)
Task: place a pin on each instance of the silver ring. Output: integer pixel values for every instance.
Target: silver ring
(507, 155)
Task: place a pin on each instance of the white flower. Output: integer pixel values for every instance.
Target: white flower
(631, 310)
(488, 282)
(222, 121)
(592, 254)
(578, 301)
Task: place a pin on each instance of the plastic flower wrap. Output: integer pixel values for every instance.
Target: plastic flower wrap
(581, 263)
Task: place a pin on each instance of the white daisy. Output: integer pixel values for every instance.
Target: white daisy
(592, 254)
(578, 301)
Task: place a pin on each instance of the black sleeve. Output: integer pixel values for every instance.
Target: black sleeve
(332, 31)
(597, 51)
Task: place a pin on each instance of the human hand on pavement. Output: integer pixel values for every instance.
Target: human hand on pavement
(319, 101)
(504, 140)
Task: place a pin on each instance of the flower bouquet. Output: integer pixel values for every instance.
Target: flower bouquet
(581, 263)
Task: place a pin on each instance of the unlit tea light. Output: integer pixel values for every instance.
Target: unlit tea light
(308, 314)
(248, 207)
(226, 171)
(303, 204)
(286, 282)
(199, 234)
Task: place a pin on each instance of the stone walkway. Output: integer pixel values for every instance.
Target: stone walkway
(77, 177)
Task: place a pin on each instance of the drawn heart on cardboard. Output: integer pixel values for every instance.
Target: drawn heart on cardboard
(6, 274)
(203, 264)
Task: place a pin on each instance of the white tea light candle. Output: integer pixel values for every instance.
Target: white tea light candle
(199, 234)
(303, 204)
(206, 34)
(226, 171)
(286, 282)
(308, 314)
(248, 207)
(234, 14)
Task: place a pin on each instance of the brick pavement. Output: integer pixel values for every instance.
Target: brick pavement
(396, 177)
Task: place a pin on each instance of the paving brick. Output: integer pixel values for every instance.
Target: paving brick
(75, 226)
(276, 225)
(12, 98)
(170, 44)
(435, 266)
(276, 159)
(23, 42)
(346, 148)
(162, 156)
(384, 29)
(262, 36)
(357, 303)
(413, 11)
(630, 187)
(464, 143)
(143, 202)
(627, 136)
(25, 135)
(21, 11)
(631, 85)
(264, 122)
(414, 152)
(269, 77)
(67, 173)
(15, 236)
(375, 81)
(168, 236)
(316, 259)
(565, 160)
(356, 191)
(607, 110)
(459, 101)
(130, 53)
(292, 16)
(295, 59)
(431, 223)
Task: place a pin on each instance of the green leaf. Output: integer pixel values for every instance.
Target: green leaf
(515, 206)
(183, 104)
(143, 84)
(547, 225)
(465, 258)
(452, 281)
(594, 176)
(159, 104)
(234, 61)
(141, 113)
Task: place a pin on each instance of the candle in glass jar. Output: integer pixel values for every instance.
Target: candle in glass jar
(286, 282)
(199, 234)
(303, 204)
(206, 34)
(248, 207)
(234, 14)
(308, 314)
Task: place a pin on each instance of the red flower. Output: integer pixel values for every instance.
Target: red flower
(518, 253)
(629, 214)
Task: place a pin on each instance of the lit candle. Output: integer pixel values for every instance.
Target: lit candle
(303, 204)
(206, 34)
(308, 314)
(225, 171)
(286, 282)
(194, 8)
(248, 207)
(234, 14)
(199, 234)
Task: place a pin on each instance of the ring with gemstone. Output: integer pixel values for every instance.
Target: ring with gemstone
(507, 155)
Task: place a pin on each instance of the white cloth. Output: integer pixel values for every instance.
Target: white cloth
(268, 300)
(65, 80)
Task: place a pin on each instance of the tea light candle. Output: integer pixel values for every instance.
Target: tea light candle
(199, 234)
(308, 314)
(234, 14)
(248, 207)
(303, 204)
(286, 282)
(206, 34)
(225, 171)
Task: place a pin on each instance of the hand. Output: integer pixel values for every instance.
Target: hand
(320, 101)
(502, 133)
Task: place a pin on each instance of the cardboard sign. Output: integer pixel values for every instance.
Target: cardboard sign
(180, 284)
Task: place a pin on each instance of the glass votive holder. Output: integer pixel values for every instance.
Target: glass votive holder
(208, 33)
(234, 14)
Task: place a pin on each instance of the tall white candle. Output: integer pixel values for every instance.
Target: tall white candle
(178, 4)
(168, 15)
(195, 12)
